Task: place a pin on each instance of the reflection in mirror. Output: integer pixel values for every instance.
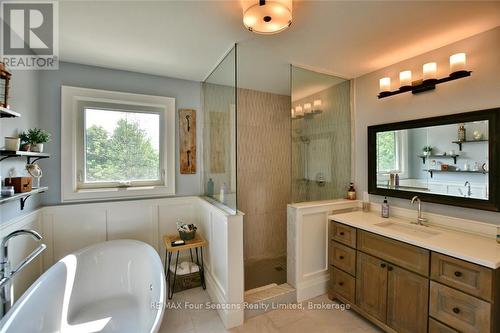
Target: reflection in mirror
(447, 160)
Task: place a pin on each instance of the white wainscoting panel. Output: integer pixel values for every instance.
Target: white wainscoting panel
(225, 281)
(315, 234)
(133, 220)
(307, 248)
(74, 227)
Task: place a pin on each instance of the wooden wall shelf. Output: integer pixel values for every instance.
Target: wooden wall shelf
(460, 143)
(31, 157)
(454, 157)
(23, 196)
(8, 113)
(432, 171)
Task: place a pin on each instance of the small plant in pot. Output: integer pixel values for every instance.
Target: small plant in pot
(427, 150)
(25, 145)
(33, 139)
(186, 231)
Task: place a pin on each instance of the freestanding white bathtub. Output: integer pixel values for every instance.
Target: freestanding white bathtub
(116, 286)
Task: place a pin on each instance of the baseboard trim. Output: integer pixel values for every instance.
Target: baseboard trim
(313, 287)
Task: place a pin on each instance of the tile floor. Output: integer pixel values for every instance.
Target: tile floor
(289, 321)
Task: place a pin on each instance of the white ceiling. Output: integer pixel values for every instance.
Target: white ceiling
(186, 39)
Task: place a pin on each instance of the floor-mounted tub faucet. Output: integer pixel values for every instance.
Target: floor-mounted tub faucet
(6, 274)
(420, 219)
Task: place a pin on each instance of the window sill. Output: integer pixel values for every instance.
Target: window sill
(105, 194)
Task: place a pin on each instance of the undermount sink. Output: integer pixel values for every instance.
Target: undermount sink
(413, 230)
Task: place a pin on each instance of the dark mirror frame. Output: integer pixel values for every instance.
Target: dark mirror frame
(493, 117)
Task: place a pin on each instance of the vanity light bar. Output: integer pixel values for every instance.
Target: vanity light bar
(429, 78)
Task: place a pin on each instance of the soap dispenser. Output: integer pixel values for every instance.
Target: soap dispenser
(223, 193)
(385, 209)
(210, 187)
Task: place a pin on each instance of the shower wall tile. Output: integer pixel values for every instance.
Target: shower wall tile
(330, 133)
(263, 171)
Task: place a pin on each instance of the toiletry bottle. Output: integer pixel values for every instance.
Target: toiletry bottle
(351, 192)
(210, 187)
(461, 133)
(385, 208)
(223, 192)
(397, 180)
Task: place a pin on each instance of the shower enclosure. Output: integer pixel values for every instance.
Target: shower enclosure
(219, 133)
(321, 136)
(265, 157)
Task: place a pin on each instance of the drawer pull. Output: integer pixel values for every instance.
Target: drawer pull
(341, 284)
(456, 310)
(458, 274)
(341, 233)
(341, 257)
(382, 265)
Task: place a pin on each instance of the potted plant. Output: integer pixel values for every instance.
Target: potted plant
(34, 139)
(427, 150)
(25, 144)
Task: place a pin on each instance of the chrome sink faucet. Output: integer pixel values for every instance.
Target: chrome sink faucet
(469, 192)
(6, 274)
(420, 219)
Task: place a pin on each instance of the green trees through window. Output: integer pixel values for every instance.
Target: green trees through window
(121, 148)
(386, 152)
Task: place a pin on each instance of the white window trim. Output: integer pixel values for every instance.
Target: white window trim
(70, 99)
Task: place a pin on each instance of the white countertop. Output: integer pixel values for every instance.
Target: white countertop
(477, 249)
(321, 203)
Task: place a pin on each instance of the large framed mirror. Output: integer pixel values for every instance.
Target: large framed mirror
(451, 159)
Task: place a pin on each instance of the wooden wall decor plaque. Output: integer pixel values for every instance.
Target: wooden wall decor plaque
(187, 140)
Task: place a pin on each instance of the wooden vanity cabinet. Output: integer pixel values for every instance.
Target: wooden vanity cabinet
(403, 288)
(407, 301)
(371, 286)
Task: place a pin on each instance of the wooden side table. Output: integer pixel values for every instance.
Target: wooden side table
(197, 243)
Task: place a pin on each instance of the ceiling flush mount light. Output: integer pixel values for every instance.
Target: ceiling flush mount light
(429, 77)
(267, 16)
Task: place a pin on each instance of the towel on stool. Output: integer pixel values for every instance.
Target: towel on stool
(185, 267)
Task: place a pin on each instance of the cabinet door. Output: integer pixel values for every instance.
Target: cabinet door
(407, 301)
(371, 286)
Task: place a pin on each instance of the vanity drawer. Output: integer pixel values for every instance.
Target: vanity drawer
(343, 257)
(344, 234)
(436, 327)
(398, 253)
(344, 285)
(460, 311)
(473, 279)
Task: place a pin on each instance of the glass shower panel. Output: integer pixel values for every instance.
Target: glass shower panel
(321, 136)
(219, 135)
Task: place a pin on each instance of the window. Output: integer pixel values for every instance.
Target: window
(391, 156)
(123, 145)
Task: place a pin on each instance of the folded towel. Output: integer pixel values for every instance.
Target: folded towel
(185, 267)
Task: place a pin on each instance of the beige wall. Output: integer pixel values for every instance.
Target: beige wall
(263, 189)
(480, 91)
